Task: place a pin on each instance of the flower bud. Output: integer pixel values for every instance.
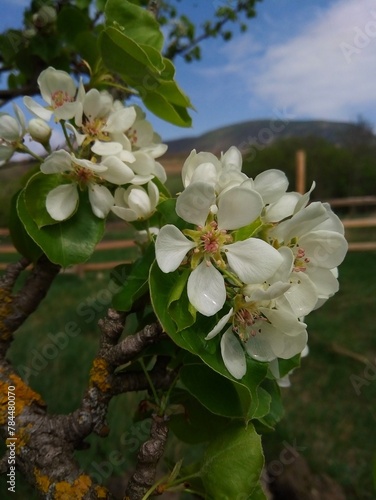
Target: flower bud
(39, 130)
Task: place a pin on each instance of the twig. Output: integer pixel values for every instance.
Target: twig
(350, 354)
(147, 460)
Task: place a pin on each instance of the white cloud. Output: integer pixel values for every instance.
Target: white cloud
(326, 70)
(323, 69)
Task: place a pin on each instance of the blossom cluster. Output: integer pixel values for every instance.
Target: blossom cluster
(261, 257)
(110, 151)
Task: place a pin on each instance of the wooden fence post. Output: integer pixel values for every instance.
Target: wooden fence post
(300, 171)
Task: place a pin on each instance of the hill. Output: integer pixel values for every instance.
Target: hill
(259, 134)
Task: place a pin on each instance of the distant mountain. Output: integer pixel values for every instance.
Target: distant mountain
(258, 134)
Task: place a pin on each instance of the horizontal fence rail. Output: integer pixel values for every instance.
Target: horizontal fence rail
(115, 227)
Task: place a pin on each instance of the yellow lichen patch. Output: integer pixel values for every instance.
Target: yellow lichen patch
(5, 310)
(43, 482)
(101, 492)
(99, 375)
(23, 396)
(77, 490)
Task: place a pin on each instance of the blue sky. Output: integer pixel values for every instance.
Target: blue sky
(301, 60)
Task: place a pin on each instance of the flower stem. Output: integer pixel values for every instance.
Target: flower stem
(153, 390)
(62, 123)
(232, 277)
(21, 148)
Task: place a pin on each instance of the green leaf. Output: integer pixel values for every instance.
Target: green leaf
(86, 45)
(141, 70)
(254, 402)
(173, 93)
(35, 194)
(167, 209)
(258, 493)
(134, 64)
(161, 107)
(247, 231)
(276, 410)
(287, 365)
(71, 21)
(218, 394)
(137, 22)
(20, 238)
(133, 280)
(179, 307)
(69, 242)
(233, 463)
(196, 424)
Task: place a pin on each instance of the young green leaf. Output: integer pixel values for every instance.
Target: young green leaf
(233, 463)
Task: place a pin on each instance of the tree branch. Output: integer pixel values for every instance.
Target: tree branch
(15, 309)
(147, 460)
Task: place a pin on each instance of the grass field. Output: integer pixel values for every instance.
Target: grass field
(330, 412)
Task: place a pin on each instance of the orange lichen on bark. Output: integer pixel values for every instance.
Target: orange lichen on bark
(99, 375)
(101, 492)
(23, 396)
(43, 482)
(77, 490)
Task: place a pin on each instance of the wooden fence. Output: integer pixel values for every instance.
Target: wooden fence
(349, 224)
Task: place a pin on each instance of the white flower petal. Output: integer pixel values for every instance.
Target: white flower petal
(61, 202)
(124, 213)
(258, 347)
(283, 320)
(206, 172)
(282, 208)
(37, 109)
(143, 164)
(193, 205)
(302, 295)
(117, 171)
(293, 345)
(232, 159)
(160, 172)
(171, 247)
(5, 153)
(220, 325)
(302, 222)
(326, 283)
(238, 207)
(253, 260)
(20, 117)
(233, 355)
(324, 248)
(120, 120)
(52, 80)
(106, 148)
(140, 180)
(271, 184)
(92, 104)
(193, 161)
(57, 162)
(9, 128)
(68, 110)
(206, 289)
(101, 200)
